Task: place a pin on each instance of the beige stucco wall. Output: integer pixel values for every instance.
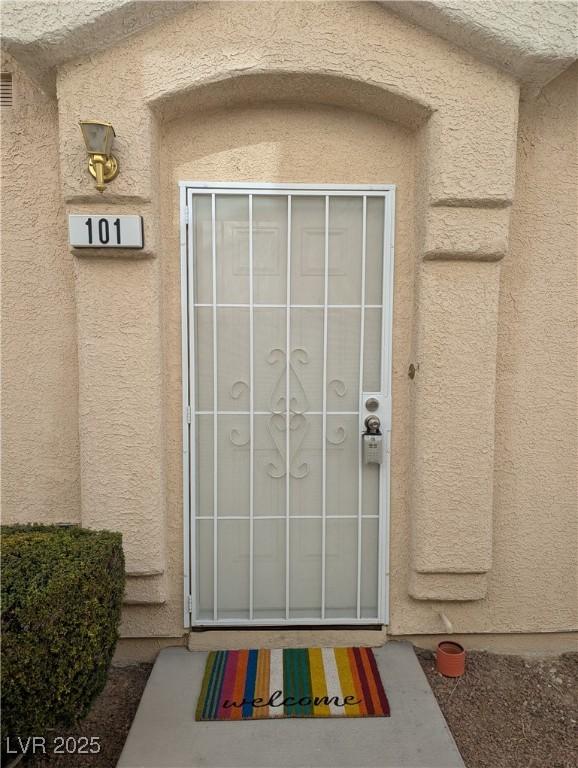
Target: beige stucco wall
(483, 496)
(40, 462)
(533, 583)
(536, 495)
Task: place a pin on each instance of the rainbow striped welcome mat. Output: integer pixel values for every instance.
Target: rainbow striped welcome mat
(292, 682)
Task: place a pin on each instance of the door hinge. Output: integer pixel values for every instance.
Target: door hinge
(190, 603)
(188, 414)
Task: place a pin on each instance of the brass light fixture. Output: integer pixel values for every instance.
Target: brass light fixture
(102, 164)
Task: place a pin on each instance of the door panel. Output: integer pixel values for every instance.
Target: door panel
(342, 459)
(232, 248)
(343, 340)
(269, 573)
(269, 249)
(345, 246)
(289, 325)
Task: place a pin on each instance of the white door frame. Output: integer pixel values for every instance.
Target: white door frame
(187, 188)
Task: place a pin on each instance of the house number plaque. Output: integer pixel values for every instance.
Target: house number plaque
(102, 231)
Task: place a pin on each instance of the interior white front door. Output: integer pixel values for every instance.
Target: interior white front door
(287, 348)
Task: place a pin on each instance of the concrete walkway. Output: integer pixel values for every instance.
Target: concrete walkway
(164, 733)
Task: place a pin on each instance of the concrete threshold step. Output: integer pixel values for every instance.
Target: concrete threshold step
(165, 734)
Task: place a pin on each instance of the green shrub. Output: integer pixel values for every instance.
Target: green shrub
(62, 591)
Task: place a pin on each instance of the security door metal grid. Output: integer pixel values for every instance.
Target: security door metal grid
(287, 315)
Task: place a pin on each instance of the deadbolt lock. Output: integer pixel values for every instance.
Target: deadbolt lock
(372, 403)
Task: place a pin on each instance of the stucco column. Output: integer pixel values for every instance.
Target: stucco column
(120, 402)
(453, 401)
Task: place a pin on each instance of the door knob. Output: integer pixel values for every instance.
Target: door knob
(373, 424)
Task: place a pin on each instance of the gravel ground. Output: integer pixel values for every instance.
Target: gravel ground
(509, 711)
(110, 719)
(505, 712)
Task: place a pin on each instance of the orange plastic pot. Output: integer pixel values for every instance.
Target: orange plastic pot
(450, 659)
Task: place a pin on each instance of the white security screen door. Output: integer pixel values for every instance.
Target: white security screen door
(287, 294)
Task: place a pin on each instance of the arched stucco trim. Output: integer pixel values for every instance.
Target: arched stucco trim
(313, 87)
(401, 72)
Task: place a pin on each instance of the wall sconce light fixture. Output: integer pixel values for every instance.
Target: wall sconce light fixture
(102, 165)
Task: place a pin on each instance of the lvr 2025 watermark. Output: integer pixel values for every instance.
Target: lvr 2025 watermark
(58, 745)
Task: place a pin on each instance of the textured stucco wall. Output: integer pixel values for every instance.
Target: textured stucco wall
(536, 493)
(40, 466)
(42, 34)
(534, 41)
(444, 128)
(533, 583)
(470, 136)
(119, 379)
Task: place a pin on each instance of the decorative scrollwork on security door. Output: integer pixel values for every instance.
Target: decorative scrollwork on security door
(299, 427)
(299, 402)
(235, 438)
(237, 388)
(295, 418)
(298, 406)
(340, 435)
(339, 387)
